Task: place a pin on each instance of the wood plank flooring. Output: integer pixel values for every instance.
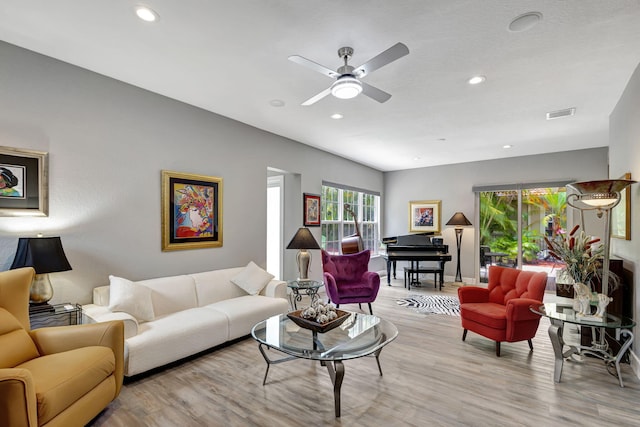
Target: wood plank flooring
(431, 378)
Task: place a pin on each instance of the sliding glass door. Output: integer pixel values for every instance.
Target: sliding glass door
(513, 224)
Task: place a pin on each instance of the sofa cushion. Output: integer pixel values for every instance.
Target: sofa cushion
(244, 312)
(172, 294)
(213, 286)
(16, 344)
(60, 379)
(173, 337)
(131, 298)
(252, 278)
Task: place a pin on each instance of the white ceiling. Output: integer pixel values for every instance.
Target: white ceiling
(230, 57)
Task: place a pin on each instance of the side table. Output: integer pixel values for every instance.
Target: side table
(303, 287)
(58, 315)
(559, 314)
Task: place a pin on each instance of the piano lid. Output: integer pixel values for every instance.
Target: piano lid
(419, 236)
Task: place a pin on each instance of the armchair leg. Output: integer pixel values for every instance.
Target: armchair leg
(464, 335)
(370, 309)
(360, 306)
(530, 344)
(498, 348)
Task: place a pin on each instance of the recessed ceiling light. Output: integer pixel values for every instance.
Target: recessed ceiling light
(507, 146)
(525, 22)
(476, 80)
(337, 116)
(146, 14)
(442, 139)
(417, 158)
(276, 103)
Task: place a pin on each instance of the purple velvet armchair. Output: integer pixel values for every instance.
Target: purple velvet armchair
(347, 279)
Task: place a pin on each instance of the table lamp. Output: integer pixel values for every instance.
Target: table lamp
(303, 240)
(45, 255)
(458, 220)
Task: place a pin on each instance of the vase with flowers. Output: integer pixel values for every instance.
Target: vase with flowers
(583, 259)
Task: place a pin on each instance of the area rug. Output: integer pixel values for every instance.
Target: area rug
(432, 304)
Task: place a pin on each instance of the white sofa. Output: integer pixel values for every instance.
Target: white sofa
(190, 313)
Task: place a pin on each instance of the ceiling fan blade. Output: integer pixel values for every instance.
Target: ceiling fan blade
(317, 97)
(374, 93)
(314, 66)
(396, 51)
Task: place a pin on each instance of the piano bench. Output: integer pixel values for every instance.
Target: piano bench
(426, 270)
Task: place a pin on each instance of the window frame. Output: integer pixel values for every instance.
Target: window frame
(347, 226)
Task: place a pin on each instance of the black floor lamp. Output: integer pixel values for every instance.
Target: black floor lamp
(458, 220)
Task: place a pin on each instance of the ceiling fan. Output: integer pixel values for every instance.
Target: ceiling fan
(348, 84)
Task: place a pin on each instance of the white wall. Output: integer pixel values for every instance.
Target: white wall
(452, 184)
(108, 142)
(624, 156)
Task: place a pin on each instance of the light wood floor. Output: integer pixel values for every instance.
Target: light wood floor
(431, 378)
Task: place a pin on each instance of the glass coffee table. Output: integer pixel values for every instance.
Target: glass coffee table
(559, 314)
(358, 336)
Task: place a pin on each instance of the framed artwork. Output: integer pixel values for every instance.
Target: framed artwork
(621, 214)
(191, 211)
(311, 209)
(424, 216)
(24, 188)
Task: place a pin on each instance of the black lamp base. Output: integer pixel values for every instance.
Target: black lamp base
(42, 307)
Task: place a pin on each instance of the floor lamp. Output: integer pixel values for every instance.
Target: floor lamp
(458, 220)
(601, 196)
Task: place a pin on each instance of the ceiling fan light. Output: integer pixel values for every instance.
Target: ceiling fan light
(346, 87)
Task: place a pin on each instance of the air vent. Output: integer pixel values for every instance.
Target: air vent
(561, 113)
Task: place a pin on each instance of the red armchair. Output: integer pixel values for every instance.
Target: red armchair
(347, 279)
(501, 311)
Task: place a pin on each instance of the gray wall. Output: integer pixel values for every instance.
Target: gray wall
(452, 184)
(624, 156)
(108, 142)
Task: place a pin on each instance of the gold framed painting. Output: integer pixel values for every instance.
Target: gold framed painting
(621, 214)
(424, 216)
(191, 211)
(24, 187)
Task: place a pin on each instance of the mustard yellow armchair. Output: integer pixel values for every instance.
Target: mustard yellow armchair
(59, 376)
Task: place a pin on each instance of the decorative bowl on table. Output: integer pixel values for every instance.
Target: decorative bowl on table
(296, 317)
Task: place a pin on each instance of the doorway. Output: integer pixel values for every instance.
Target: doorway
(275, 206)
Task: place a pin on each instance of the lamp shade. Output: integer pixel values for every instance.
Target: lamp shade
(44, 254)
(458, 219)
(600, 193)
(303, 239)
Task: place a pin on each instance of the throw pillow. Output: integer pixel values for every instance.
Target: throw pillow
(252, 279)
(131, 298)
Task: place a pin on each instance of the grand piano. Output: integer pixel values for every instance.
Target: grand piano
(415, 248)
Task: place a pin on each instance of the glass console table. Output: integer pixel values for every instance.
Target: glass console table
(303, 287)
(358, 336)
(559, 314)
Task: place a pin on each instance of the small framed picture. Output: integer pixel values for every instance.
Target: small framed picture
(24, 187)
(191, 211)
(621, 214)
(311, 209)
(424, 216)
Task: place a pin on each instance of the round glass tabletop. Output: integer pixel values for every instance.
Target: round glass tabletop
(360, 335)
(566, 313)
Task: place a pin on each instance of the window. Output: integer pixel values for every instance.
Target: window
(515, 221)
(337, 222)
